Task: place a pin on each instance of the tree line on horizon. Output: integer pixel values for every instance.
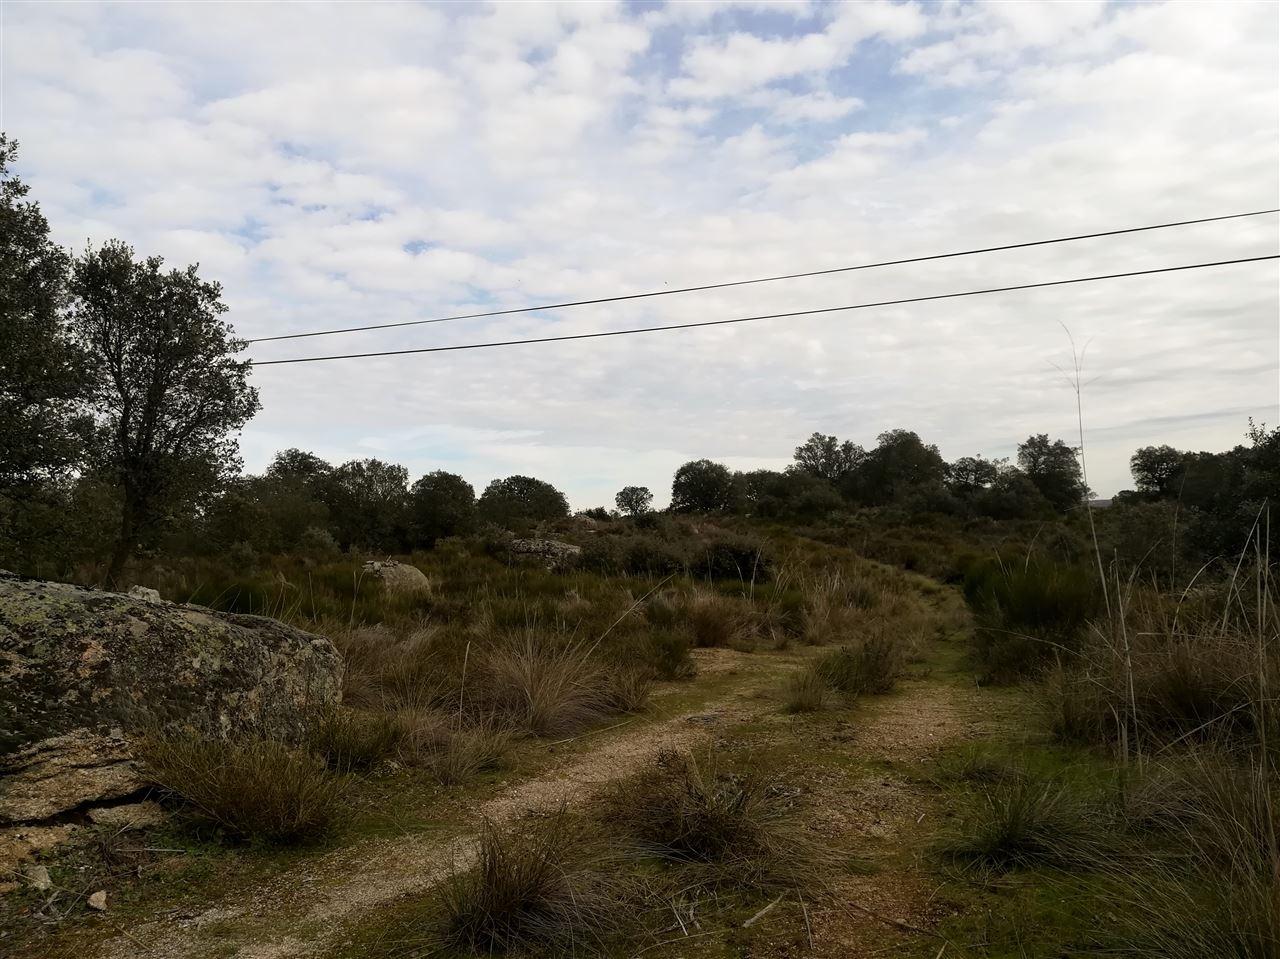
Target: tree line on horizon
(122, 396)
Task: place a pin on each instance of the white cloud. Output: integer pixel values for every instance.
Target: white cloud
(341, 164)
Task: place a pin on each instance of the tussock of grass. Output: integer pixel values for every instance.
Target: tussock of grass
(540, 889)
(255, 790)
(736, 823)
(872, 664)
(1025, 820)
(1031, 611)
(806, 691)
(1217, 891)
(349, 741)
(547, 688)
(451, 751)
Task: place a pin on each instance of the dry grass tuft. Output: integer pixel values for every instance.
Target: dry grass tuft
(738, 825)
(538, 889)
(537, 684)
(256, 790)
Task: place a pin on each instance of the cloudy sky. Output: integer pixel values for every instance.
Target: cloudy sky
(350, 163)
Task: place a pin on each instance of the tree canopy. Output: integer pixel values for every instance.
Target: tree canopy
(634, 500)
(702, 486)
(41, 370)
(519, 500)
(166, 388)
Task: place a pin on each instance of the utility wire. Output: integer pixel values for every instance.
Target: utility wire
(766, 316)
(762, 279)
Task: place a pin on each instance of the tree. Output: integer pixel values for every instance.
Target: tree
(634, 500)
(1157, 470)
(166, 389)
(42, 378)
(969, 474)
(900, 462)
(1054, 469)
(522, 499)
(827, 458)
(441, 504)
(701, 486)
(368, 501)
(795, 494)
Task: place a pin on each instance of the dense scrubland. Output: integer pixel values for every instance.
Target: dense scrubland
(875, 703)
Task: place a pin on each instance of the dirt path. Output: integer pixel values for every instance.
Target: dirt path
(305, 909)
(298, 911)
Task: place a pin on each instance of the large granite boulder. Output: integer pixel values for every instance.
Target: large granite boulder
(397, 577)
(553, 553)
(77, 660)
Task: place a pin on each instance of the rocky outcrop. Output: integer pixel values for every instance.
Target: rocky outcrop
(553, 553)
(76, 659)
(397, 577)
(66, 772)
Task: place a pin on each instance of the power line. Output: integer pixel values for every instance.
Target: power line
(766, 316)
(762, 279)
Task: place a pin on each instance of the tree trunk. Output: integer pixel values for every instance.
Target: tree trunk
(124, 545)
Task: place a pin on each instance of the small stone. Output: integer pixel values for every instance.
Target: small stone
(98, 901)
(37, 877)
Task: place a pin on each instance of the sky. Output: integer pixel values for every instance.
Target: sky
(342, 164)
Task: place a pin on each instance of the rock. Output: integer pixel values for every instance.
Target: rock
(137, 815)
(553, 552)
(81, 667)
(98, 901)
(37, 877)
(61, 773)
(145, 593)
(397, 577)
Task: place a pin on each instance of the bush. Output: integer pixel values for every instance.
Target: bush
(257, 790)
(1030, 612)
(537, 889)
(732, 557)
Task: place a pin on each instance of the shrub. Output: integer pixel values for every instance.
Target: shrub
(1031, 612)
(535, 888)
(727, 556)
(738, 822)
(256, 789)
